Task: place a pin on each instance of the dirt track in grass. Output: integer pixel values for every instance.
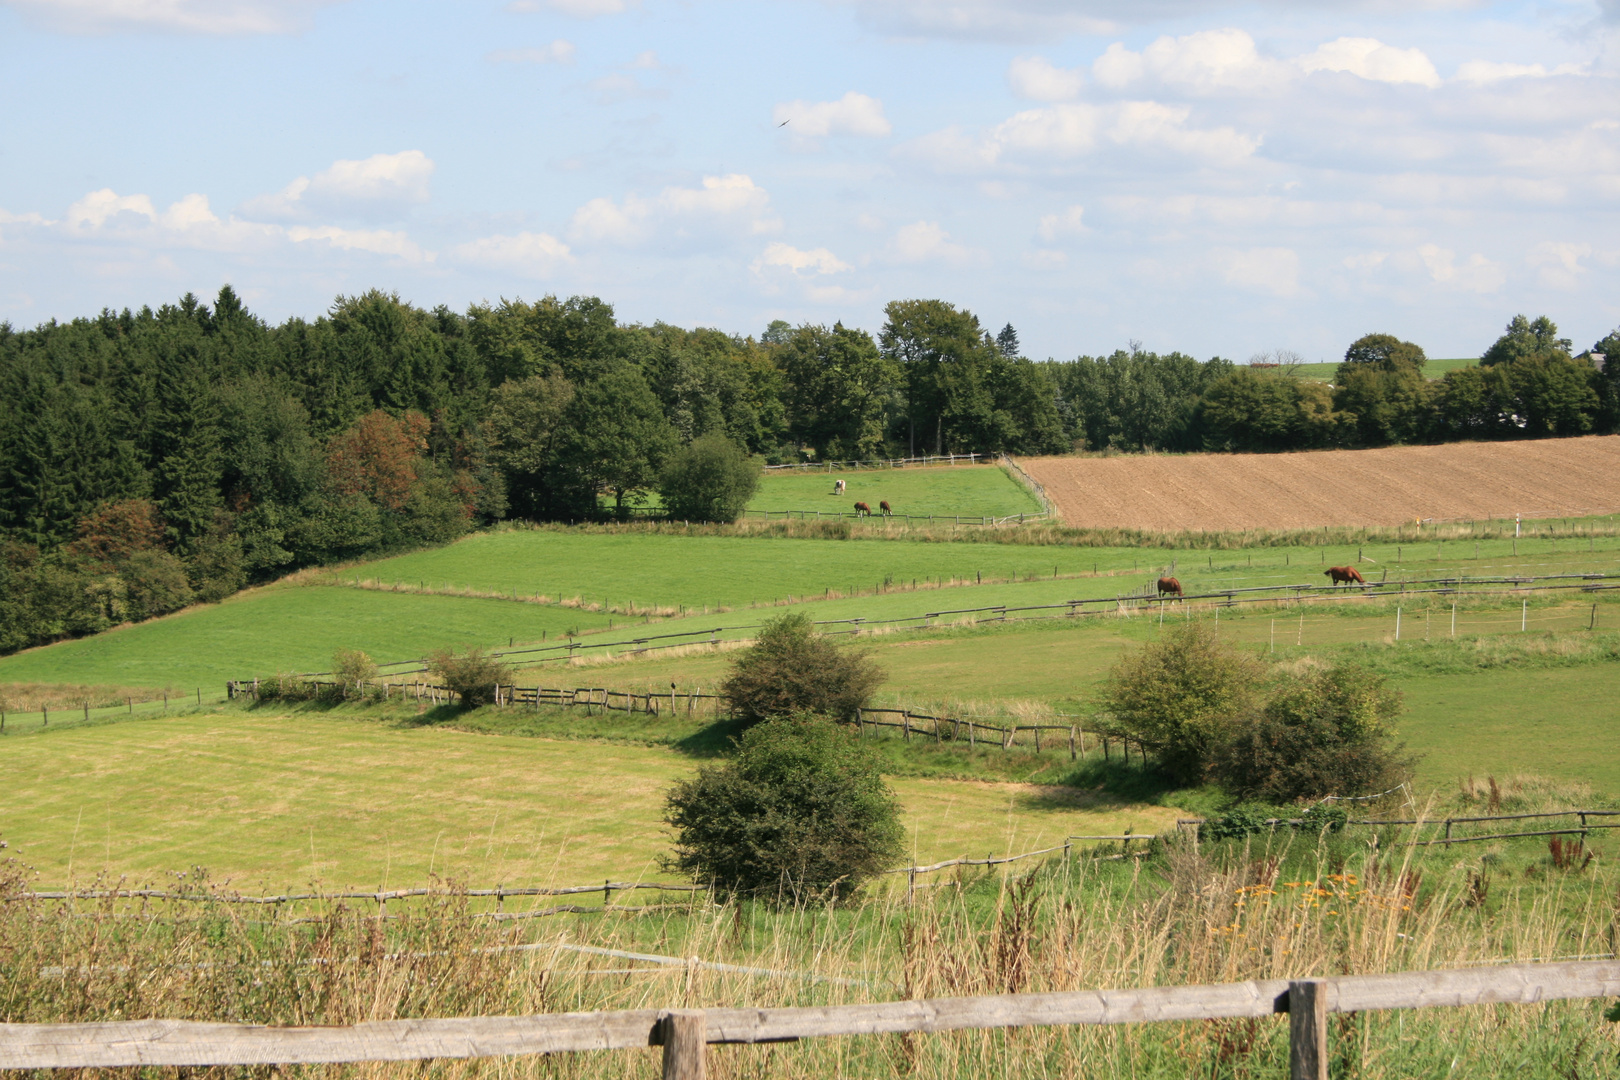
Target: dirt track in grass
(1392, 486)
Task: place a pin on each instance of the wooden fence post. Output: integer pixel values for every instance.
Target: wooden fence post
(1071, 742)
(1307, 1030)
(685, 1037)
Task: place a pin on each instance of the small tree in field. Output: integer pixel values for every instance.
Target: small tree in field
(1329, 731)
(790, 669)
(710, 479)
(801, 813)
(1179, 696)
(471, 676)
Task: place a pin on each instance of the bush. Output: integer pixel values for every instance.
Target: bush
(353, 668)
(471, 676)
(790, 669)
(1327, 732)
(155, 584)
(709, 479)
(800, 813)
(1180, 695)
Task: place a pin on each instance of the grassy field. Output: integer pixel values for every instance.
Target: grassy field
(284, 628)
(969, 490)
(1434, 369)
(277, 801)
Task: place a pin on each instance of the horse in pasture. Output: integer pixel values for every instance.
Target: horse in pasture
(1345, 575)
(883, 505)
(862, 510)
(1169, 585)
(838, 487)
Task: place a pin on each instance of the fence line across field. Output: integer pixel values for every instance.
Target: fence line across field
(880, 463)
(1301, 592)
(685, 1034)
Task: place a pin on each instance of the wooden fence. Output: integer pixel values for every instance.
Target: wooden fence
(685, 1034)
(879, 463)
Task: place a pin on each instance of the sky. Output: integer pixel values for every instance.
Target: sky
(1219, 178)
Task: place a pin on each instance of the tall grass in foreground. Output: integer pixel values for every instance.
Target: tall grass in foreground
(1273, 908)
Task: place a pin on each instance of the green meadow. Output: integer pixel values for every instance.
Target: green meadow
(1434, 369)
(966, 490)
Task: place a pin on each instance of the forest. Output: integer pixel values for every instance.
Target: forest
(153, 459)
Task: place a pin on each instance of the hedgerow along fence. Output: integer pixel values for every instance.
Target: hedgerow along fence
(686, 1034)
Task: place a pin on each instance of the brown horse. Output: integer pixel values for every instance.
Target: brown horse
(1169, 585)
(1345, 575)
(862, 510)
(884, 506)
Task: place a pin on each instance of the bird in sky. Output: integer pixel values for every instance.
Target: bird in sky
(785, 122)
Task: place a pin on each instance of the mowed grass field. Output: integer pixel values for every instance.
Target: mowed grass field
(1434, 369)
(275, 801)
(966, 490)
(297, 628)
(284, 628)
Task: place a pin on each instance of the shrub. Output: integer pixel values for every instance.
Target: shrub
(353, 667)
(800, 813)
(471, 676)
(790, 669)
(1179, 696)
(155, 584)
(1236, 823)
(709, 479)
(1326, 732)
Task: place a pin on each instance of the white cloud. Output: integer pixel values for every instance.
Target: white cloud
(580, 9)
(786, 257)
(1263, 269)
(1036, 78)
(724, 204)
(528, 253)
(1206, 61)
(1559, 263)
(1068, 223)
(1478, 274)
(1371, 59)
(852, 114)
(558, 52)
(187, 16)
(97, 207)
(380, 184)
(376, 241)
(926, 242)
(1485, 71)
(1065, 132)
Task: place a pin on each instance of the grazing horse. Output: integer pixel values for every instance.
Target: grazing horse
(883, 505)
(862, 510)
(1169, 585)
(1345, 574)
(838, 487)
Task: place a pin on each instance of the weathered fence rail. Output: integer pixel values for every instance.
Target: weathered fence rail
(684, 1034)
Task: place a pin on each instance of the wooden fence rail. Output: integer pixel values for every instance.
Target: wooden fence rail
(684, 1034)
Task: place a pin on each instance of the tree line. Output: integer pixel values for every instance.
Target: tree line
(156, 458)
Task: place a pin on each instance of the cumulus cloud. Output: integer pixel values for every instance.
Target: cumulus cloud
(186, 16)
(558, 52)
(1559, 263)
(1059, 134)
(852, 114)
(787, 257)
(1038, 79)
(723, 205)
(1478, 274)
(1273, 270)
(106, 217)
(382, 184)
(1068, 223)
(1487, 71)
(531, 254)
(1203, 62)
(1371, 59)
(579, 9)
(926, 242)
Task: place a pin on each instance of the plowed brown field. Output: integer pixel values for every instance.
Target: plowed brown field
(1393, 486)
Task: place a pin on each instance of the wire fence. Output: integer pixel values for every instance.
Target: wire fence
(881, 463)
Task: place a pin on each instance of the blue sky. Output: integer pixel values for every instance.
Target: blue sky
(1217, 178)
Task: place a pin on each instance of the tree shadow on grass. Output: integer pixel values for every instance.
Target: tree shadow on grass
(715, 740)
(1101, 785)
